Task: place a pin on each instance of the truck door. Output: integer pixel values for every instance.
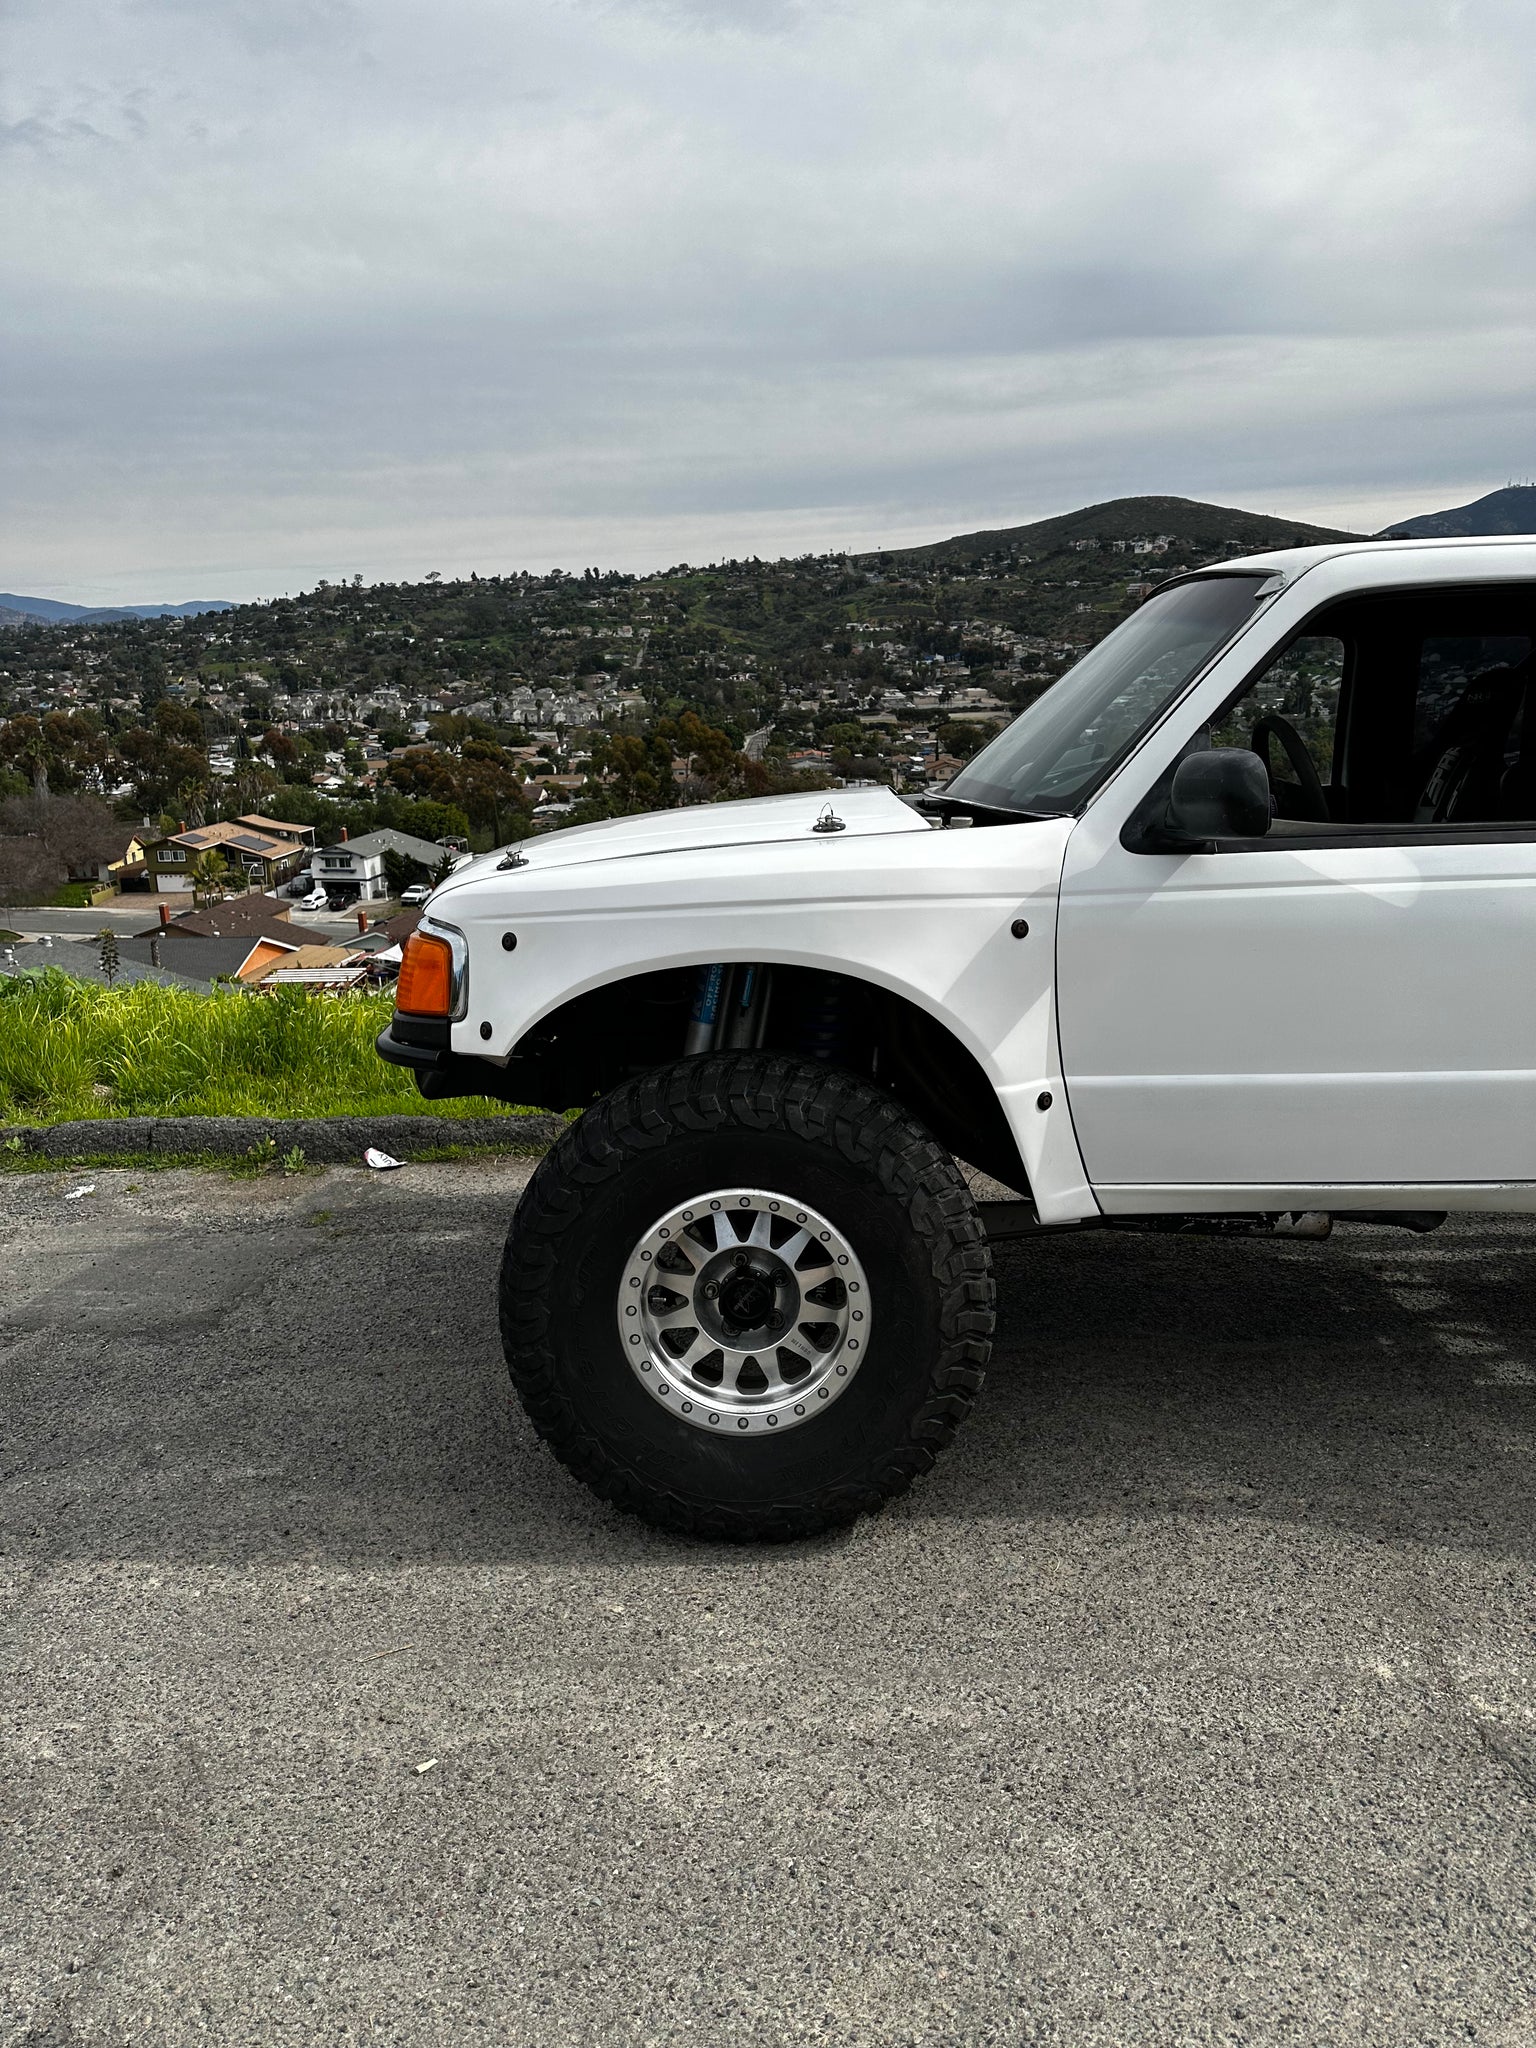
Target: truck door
(1349, 1000)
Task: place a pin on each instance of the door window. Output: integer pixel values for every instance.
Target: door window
(1413, 710)
(1298, 694)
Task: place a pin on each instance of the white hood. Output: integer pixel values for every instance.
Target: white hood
(754, 821)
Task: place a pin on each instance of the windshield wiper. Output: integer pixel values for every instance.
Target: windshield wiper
(1002, 813)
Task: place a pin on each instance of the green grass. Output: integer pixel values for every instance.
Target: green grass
(71, 1050)
(74, 896)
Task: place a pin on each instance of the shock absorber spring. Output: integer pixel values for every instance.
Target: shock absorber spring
(824, 1025)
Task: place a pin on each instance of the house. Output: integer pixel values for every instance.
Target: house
(266, 953)
(355, 870)
(117, 850)
(207, 945)
(265, 858)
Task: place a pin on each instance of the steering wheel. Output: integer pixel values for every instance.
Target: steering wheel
(1314, 796)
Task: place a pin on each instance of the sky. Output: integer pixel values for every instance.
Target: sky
(314, 288)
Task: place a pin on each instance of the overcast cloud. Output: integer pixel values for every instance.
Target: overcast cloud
(297, 288)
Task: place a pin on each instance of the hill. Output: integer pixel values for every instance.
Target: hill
(1212, 529)
(884, 666)
(905, 649)
(49, 611)
(1511, 510)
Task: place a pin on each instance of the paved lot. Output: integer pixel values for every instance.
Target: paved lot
(1189, 1701)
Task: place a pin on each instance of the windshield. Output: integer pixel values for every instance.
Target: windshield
(1055, 754)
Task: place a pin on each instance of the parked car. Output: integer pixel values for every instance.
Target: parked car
(313, 898)
(1233, 929)
(418, 892)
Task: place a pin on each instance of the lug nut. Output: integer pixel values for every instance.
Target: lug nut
(711, 1289)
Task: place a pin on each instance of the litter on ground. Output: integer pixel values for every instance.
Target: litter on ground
(429, 1765)
(75, 1193)
(380, 1161)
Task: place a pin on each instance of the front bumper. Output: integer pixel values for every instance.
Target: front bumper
(421, 1043)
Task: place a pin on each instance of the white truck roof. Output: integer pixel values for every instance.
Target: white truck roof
(1432, 559)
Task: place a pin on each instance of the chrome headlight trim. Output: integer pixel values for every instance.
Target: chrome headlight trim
(458, 972)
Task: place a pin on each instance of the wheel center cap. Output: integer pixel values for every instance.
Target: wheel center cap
(746, 1300)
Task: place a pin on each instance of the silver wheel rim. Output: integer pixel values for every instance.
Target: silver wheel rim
(744, 1311)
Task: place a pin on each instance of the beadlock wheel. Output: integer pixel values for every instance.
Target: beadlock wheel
(877, 1324)
(744, 1310)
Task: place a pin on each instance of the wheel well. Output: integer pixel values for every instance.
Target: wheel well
(595, 1041)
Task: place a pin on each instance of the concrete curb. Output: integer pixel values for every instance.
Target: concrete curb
(327, 1141)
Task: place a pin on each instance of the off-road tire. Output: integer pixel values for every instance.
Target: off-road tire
(825, 1138)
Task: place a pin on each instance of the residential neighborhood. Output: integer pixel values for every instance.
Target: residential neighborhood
(342, 745)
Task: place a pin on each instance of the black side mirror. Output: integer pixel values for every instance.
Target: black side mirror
(1220, 794)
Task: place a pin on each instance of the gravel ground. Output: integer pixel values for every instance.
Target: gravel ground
(1190, 1700)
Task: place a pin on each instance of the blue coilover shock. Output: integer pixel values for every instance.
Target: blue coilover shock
(708, 988)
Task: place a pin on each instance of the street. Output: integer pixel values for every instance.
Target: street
(1189, 1700)
(140, 913)
(131, 914)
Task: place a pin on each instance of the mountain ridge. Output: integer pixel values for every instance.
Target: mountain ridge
(1190, 520)
(1509, 510)
(52, 611)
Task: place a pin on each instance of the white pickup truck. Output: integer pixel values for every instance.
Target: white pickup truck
(1235, 926)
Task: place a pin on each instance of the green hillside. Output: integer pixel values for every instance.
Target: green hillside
(465, 693)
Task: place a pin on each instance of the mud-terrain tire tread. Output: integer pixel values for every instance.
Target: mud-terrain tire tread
(820, 1105)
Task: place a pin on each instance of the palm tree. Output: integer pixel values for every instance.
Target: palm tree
(35, 754)
(210, 877)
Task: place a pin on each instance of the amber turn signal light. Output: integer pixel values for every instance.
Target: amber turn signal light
(425, 986)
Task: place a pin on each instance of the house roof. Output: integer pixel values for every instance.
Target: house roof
(239, 914)
(387, 840)
(401, 925)
(115, 842)
(81, 960)
(200, 963)
(236, 834)
(339, 976)
(311, 956)
(276, 825)
(267, 952)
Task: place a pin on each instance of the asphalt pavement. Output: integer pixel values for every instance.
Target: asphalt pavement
(1190, 1699)
(130, 915)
